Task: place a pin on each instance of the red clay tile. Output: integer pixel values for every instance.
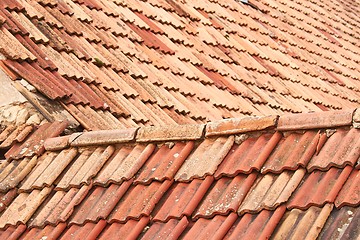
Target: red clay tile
(57, 143)
(22, 207)
(48, 169)
(164, 133)
(319, 188)
(260, 226)
(85, 167)
(7, 198)
(249, 155)
(297, 224)
(303, 146)
(315, 120)
(225, 195)
(269, 191)
(132, 229)
(341, 149)
(342, 223)
(104, 137)
(241, 125)
(181, 199)
(169, 230)
(139, 201)
(124, 164)
(164, 163)
(350, 192)
(205, 159)
(102, 199)
(58, 207)
(14, 172)
(34, 145)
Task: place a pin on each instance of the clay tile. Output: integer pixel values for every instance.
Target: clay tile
(315, 120)
(104, 137)
(234, 125)
(170, 132)
(356, 118)
(57, 143)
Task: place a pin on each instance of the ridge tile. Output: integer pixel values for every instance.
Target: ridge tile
(242, 125)
(169, 132)
(315, 120)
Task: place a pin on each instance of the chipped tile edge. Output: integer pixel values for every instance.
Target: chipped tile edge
(170, 133)
(315, 120)
(240, 125)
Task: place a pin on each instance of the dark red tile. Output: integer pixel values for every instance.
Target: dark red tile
(303, 146)
(164, 163)
(139, 201)
(181, 199)
(132, 229)
(319, 188)
(166, 230)
(250, 155)
(350, 192)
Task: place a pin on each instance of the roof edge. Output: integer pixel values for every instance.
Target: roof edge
(290, 122)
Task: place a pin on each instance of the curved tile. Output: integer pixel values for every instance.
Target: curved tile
(319, 188)
(249, 155)
(205, 158)
(131, 229)
(124, 164)
(139, 201)
(350, 192)
(298, 224)
(342, 223)
(270, 190)
(225, 195)
(181, 199)
(302, 145)
(169, 230)
(342, 148)
(164, 163)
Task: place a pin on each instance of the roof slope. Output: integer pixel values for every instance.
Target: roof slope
(235, 178)
(119, 64)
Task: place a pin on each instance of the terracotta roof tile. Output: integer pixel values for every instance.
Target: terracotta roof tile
(319, 187)
(311, 222)
(139, 201)
(205, 159)
(341, 223)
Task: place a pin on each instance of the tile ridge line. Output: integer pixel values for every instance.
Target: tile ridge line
(224, 127)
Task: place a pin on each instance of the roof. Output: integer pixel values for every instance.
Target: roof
(119, 64)
(224, 179)
(179, 119)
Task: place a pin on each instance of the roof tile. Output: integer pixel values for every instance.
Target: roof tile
(249, 155)
(103, 199)
(296, 223)
(315, 120)
(303, 146)
(164, 133)
(168, 230)
(181, 199)
(23, 207)
(342, 223)
(132, 229)
(350, 192)
(319, 188)
(124, 164)
(164, 163)
(205, 159)
(48, 168)
(234, 126)
(139, 201)
(342, 148)
(85, 167)
(269, 191)
(225, 195)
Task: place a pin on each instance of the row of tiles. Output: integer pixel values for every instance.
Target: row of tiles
(182, 161)
(200, 198)
(324, 222)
